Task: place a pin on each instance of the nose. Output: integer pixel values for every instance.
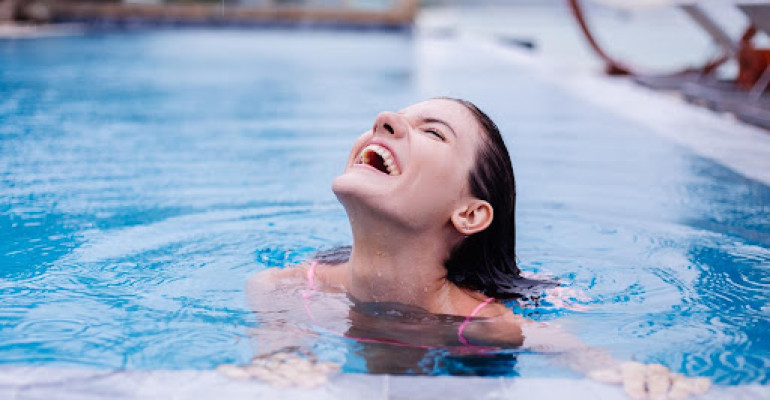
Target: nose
(390, 124)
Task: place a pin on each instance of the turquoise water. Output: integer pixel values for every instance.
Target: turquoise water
(145, 177)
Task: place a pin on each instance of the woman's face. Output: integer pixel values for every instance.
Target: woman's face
(413, 164)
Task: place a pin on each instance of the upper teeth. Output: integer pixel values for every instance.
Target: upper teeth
(387, 158)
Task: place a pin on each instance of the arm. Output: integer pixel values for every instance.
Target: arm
(639, 381)
(284, 345)
(273, 294)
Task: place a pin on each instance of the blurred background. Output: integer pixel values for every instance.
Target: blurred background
(156, 154)
(653, 36)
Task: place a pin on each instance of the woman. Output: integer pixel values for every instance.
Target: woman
(430, 195)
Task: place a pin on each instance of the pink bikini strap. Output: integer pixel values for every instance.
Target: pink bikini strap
(306, 293)
(467, 321)
(311, 275)
(311, 285)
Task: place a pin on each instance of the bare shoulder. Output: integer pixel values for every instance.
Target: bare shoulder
(498, 326)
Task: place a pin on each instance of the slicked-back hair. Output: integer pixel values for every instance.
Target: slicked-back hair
(486, 260)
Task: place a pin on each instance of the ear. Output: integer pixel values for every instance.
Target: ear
(472, 217)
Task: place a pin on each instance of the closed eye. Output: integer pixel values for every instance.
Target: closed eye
(436, 133)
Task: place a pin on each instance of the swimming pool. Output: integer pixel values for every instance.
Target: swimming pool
(146, 176)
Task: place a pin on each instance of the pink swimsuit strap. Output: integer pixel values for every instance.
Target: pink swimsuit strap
(467, 321)
(310, 274)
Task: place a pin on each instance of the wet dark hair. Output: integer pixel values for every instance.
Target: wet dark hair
(486, 261)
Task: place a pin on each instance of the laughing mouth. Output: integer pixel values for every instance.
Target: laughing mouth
(380, 158)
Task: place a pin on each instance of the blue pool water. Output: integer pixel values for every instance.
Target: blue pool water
(145, 177)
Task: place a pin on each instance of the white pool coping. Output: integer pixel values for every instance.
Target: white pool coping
(66, 383)
(720, 137)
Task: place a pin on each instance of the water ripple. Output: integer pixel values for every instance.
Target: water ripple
(133, 212)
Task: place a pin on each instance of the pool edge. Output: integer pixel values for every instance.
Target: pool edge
(85, 383)
(739, 146)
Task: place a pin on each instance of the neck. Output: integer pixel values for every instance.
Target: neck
(393, 263)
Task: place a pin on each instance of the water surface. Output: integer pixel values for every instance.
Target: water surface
(145, 176)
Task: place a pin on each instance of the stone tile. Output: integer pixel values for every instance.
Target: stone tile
(86, 384)
(559, 388)
(358, 386)
(442, 387)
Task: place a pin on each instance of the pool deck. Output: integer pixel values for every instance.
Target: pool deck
(399, 15)
(741, 147)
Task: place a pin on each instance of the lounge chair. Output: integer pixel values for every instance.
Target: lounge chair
(746, 96)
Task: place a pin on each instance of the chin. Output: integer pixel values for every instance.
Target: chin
(355, 191)
(349, 187)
